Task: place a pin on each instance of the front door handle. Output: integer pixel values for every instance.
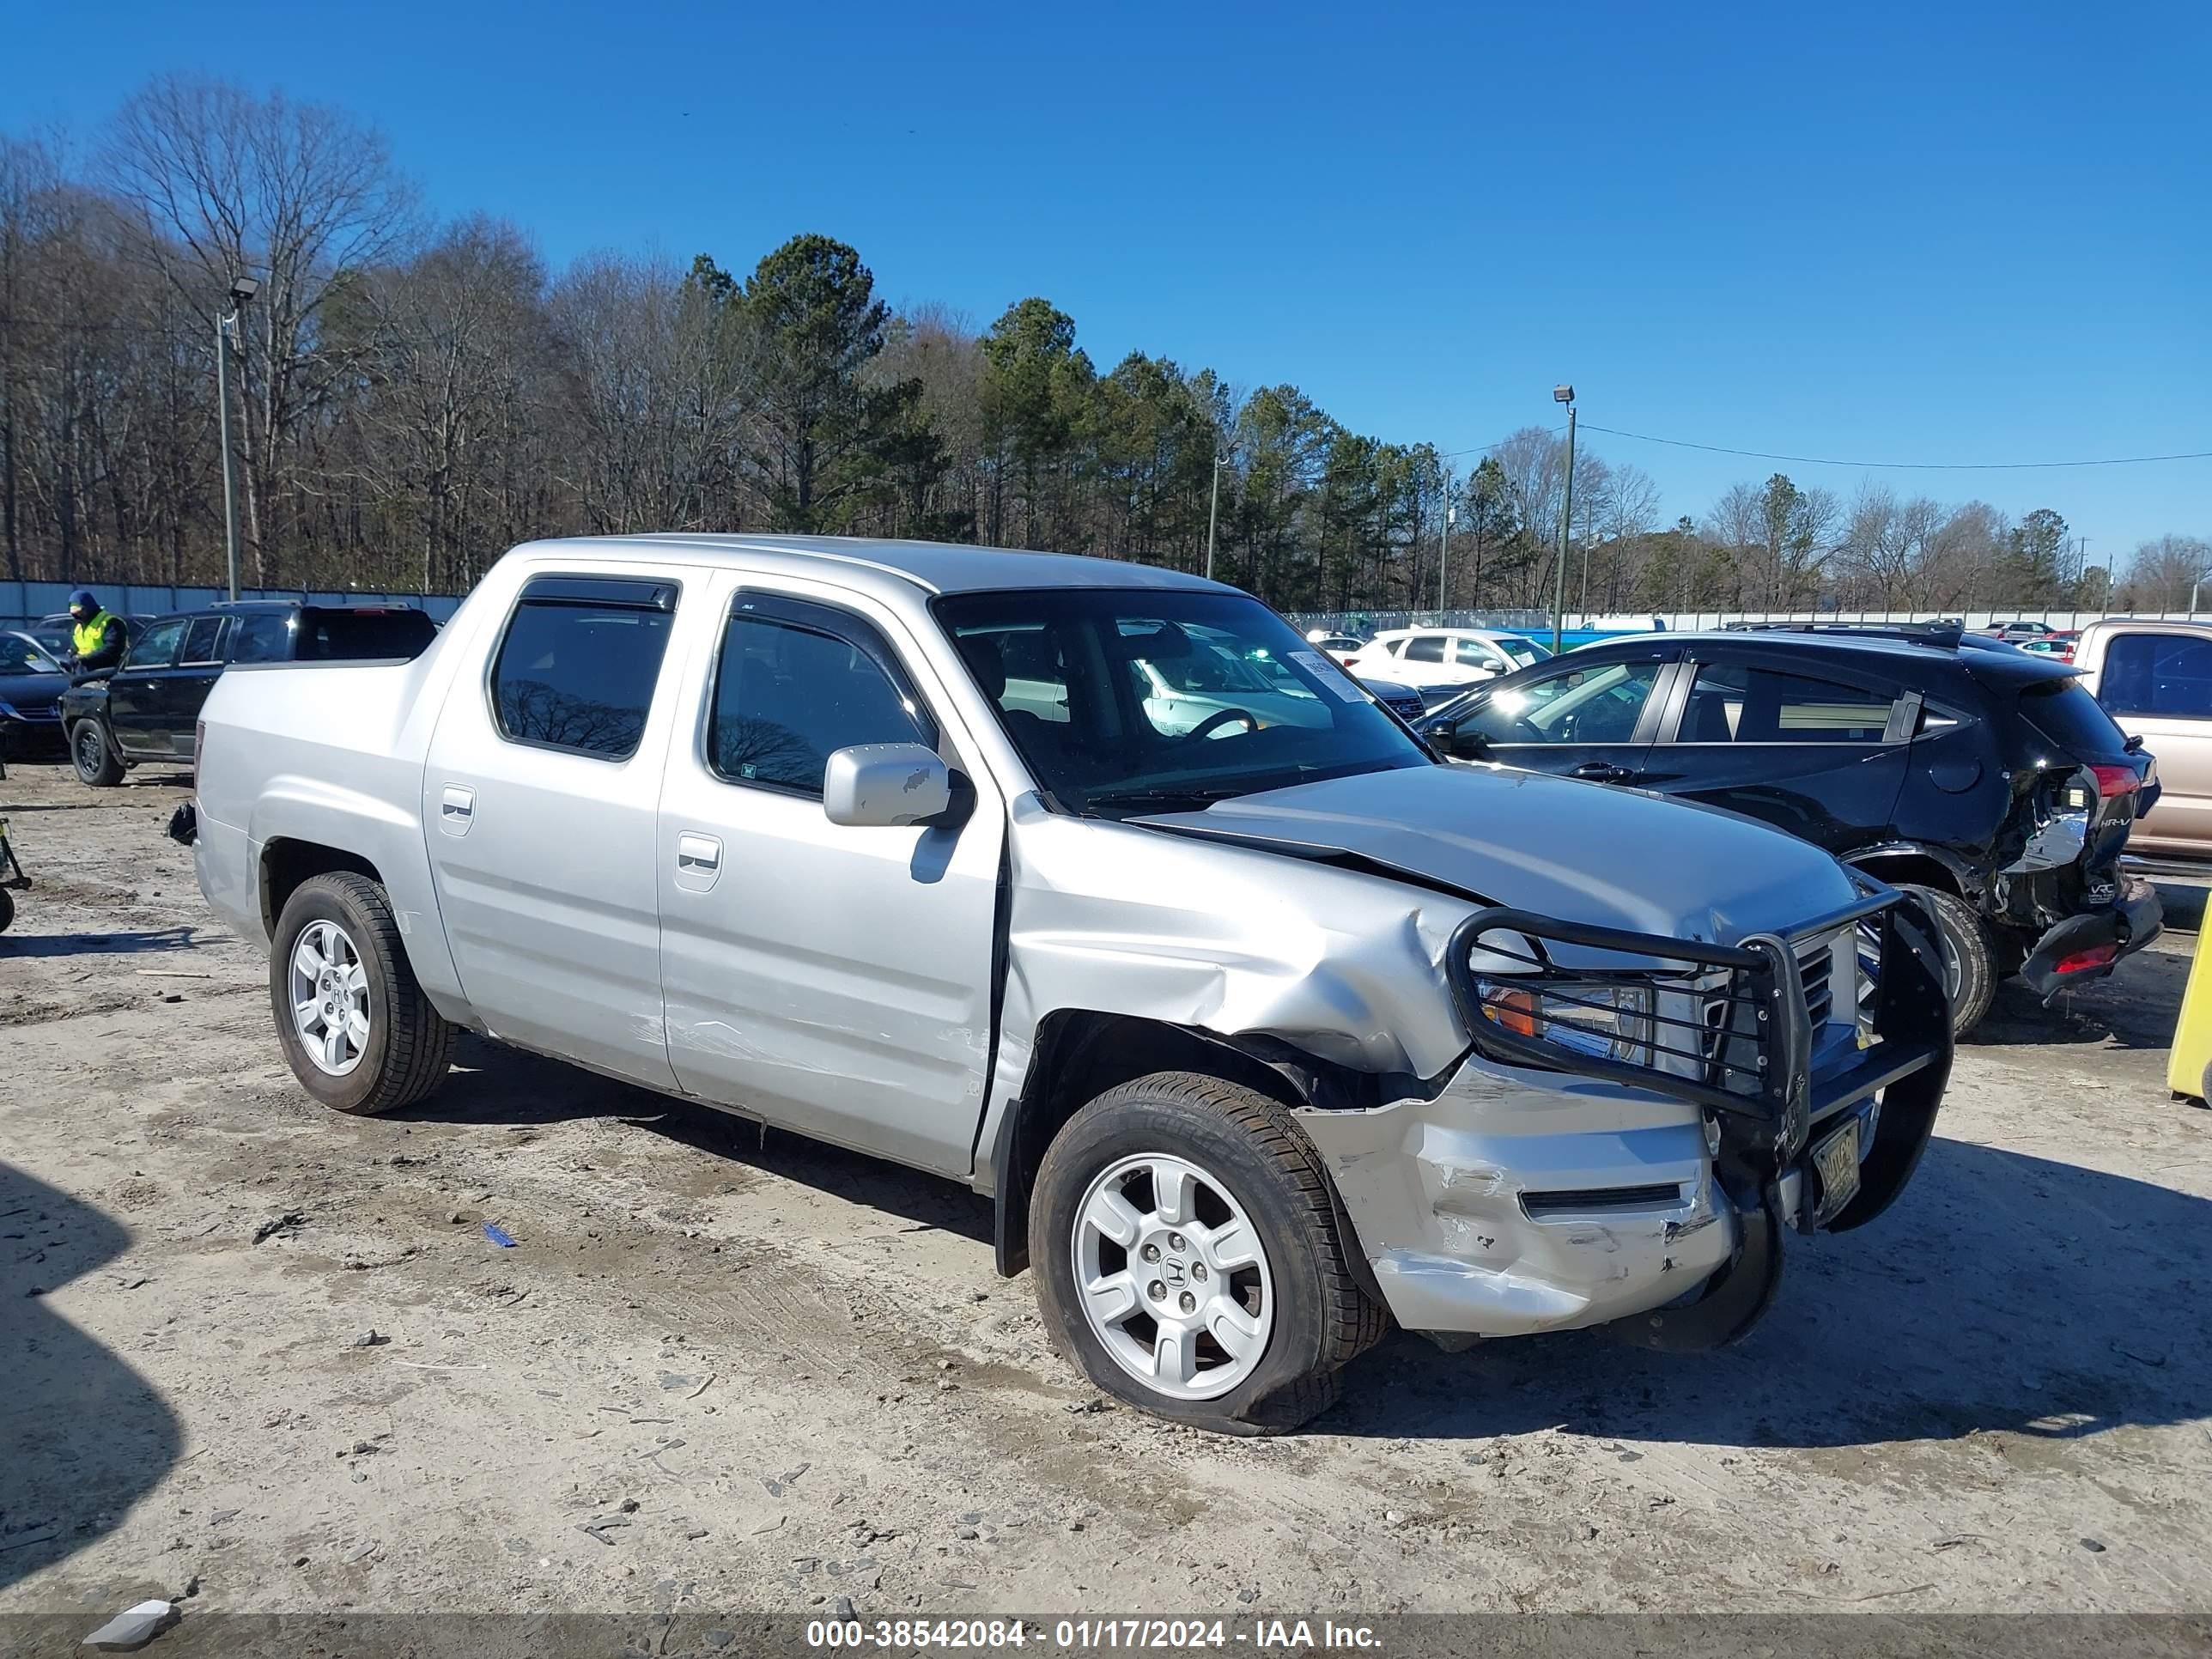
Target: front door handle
(698, 853)
(1602, 772)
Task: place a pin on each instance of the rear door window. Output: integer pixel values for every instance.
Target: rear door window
(2157, 674)
(1734, 703)
(1428, 648)
(577, 668)
(203, 642)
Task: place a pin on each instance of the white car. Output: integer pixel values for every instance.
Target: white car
(1435, 661)
(1339, 647)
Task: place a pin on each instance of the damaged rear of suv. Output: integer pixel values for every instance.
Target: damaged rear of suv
(1984, 780)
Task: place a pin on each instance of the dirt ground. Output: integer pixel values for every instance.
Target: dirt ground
(718, 1371)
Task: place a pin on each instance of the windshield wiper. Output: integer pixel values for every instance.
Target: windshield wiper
(1194, 794)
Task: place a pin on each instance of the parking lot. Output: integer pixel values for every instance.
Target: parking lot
(721, 1370)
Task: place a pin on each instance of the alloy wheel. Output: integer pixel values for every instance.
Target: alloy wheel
(1172, 1276)
(329, 988)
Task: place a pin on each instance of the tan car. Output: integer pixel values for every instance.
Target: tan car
(2154, 679)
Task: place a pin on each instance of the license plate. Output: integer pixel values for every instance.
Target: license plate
(1836, 1160)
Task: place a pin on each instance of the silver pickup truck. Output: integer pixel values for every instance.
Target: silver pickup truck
(1097, 888)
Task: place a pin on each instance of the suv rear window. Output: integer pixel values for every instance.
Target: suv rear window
(2065, 713)
(363, 635)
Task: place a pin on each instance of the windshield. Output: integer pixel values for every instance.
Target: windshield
(1524, 652)
(19, 656)
(1144, 699)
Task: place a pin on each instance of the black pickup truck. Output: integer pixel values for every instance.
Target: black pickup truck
(145, 709)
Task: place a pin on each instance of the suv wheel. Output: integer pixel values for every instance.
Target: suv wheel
(92, 755)
(356, 1029)
(1969, 954)
(1191, 1259)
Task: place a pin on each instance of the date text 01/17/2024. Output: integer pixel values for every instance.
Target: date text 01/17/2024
(1084, 1635)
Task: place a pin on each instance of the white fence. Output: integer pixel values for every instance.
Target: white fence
(1683, 622)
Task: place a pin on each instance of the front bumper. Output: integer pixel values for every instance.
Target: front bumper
(1541, 1190)
(33, 738)
(1505, 1206)
(2090, 945)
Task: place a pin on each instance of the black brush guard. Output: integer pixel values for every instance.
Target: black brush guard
(1753, 1068)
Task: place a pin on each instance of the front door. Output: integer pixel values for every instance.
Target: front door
(537, 808)
(1815, 757)
(1580, 719)
(136, 690)
(833, 978)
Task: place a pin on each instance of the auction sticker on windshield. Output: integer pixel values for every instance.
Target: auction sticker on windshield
(1329, 675)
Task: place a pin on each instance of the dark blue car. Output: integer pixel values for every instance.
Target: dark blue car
(31, 685)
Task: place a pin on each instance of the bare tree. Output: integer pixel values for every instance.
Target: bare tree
(2165, 574)
(299, 196)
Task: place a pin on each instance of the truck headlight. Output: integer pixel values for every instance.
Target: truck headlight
(1607, 1021)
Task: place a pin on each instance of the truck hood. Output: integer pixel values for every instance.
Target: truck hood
(1589, 852)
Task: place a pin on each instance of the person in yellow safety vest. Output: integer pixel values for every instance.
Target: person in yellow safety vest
(99, 640)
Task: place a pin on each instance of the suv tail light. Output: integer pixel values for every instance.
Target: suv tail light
(199, 746)
(2081, 962)
(2113, 782)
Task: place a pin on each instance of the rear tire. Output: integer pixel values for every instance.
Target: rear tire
(336, 951)
(1970, 958)
(94, 756)
(1284, 1278)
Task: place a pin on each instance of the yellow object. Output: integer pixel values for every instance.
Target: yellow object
(2192, 1035)
(87, 636)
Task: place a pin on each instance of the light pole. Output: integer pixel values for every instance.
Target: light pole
(1214, 511)
(226, 328)
(1444, 553)
(1563, 394)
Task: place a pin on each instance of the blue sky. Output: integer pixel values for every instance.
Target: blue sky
(1926, 232)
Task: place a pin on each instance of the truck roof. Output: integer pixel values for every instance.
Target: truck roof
(932, 567)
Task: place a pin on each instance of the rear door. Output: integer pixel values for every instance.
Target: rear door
(136, 689)
(1808, 746)
(538, 807)
(1590, 716)
(837, 979)
(2158, 686)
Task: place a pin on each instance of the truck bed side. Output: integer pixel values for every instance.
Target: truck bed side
(314, 765)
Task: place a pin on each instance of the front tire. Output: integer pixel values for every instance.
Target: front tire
(94, 756)
(1191, 1259)
(1969, 952)
(356, 1027)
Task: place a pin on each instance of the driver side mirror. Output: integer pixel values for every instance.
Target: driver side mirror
(1446, 738)
(889, 785)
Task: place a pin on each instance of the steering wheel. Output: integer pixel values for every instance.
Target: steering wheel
(1220, 718)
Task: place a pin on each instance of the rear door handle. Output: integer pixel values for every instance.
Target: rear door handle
(1602, 772)
(698, 860)
(457, 809)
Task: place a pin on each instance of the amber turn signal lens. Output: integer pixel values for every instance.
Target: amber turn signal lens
(1515, 1009)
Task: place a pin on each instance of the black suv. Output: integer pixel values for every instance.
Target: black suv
(1984, 778)
(147, 707)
